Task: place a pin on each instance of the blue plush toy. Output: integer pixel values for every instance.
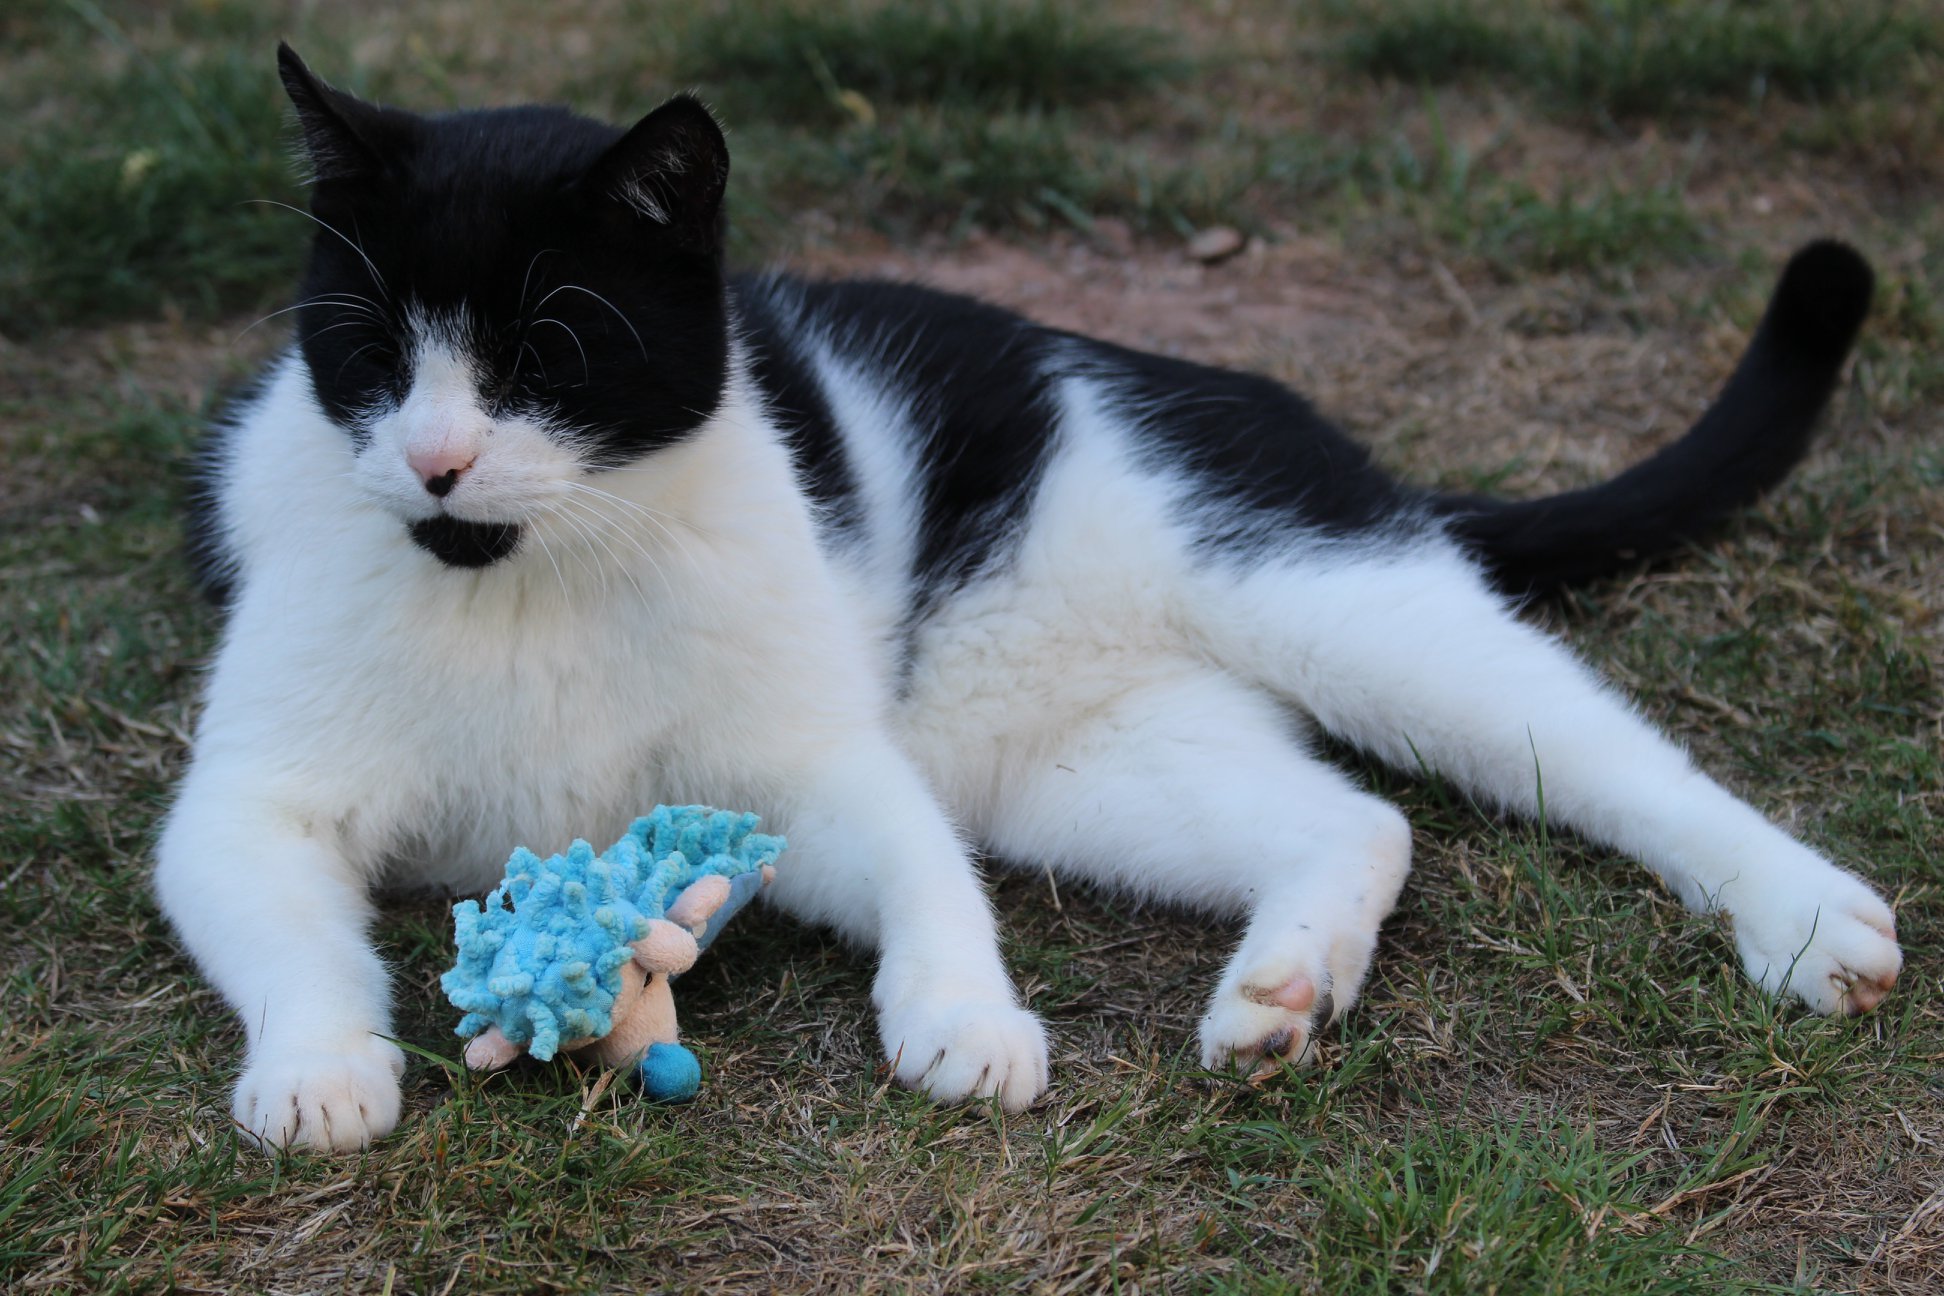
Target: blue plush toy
(576, 951)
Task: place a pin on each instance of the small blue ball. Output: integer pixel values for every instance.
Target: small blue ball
(670, 1073)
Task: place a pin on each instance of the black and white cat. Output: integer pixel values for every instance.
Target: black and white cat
(543, 520)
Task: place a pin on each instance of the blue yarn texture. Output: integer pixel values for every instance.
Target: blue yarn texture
(542, 958)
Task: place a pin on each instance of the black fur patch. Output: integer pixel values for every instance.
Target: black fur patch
(510, 229)
(771, 326)
(458, 543)
(977, 379)
(210, 561)
(1263, 457)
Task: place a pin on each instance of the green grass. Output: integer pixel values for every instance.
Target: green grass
(940, 116)
(148, 183)
(1514, 227)
(133, 198)
(949, 170)
(1537, 1205)
(842, 60)
(1557, 1079)
(1631, 57)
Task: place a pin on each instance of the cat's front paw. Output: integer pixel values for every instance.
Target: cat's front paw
(1264, 1020)
(320, 1098)
(954, 1049)
(1824, 937)
(1280, 990)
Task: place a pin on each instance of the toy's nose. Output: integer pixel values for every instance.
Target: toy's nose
(440, 469)
(490, 1050)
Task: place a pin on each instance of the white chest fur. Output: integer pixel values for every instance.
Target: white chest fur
(438, 717)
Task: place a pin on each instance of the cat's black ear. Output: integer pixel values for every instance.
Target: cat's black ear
(671, 168)
(346, 138)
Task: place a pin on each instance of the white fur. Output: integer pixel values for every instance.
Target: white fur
(678, 630)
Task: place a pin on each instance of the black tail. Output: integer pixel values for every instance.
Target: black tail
(1747, 441)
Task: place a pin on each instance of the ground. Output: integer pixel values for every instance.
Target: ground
(1514, 246)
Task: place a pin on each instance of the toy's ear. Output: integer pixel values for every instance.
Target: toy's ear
(666, 948)
(695, 906)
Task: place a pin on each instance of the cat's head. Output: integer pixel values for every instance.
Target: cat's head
(501, 303)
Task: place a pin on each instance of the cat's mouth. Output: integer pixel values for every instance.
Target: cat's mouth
(459, 543)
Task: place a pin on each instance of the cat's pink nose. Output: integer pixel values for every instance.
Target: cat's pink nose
(440, 469)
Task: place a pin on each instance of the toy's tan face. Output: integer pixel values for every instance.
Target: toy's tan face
(634, 981)
(643, 1013)
(644, 1009)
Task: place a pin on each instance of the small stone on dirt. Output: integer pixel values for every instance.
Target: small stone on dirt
(1216, 243)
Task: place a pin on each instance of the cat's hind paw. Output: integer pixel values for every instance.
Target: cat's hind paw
(1827, 940)
(320, 1099)
(959, 1049)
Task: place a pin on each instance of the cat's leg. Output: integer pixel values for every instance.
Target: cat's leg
(1415, 659)
(277, 920)
(1191, 789)
(873, 855)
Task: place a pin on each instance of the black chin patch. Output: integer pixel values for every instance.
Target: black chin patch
(457, 543)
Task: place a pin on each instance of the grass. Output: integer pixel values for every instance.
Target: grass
(159, 147)
(1557, 1081)
(1625, 58)
(138, 200)
(1515, 227)
(853, 59)
(1442, 1211)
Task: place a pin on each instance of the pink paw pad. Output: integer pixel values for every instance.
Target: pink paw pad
(1296, 994)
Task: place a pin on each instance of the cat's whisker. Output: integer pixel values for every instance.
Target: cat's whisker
(343, 301)
(647, 515)
(526, 281)
(662, 521)
(605, 302)
(661, 573)
(580, 552)
(526, 346)
(607, 524)
(595, 534)
(688, 524)
(635, 542)
(583, 549)
(353, 356)
(587, 375)
(348, 241)
(633, 506)
(546, 550)
(350, 323)
(695, 564)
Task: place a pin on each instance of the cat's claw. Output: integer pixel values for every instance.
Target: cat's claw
(959, 1049)
(318, 1098)
(1827, 940)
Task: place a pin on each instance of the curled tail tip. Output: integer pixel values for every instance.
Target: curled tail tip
(1820, 302)
(1750, 437)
